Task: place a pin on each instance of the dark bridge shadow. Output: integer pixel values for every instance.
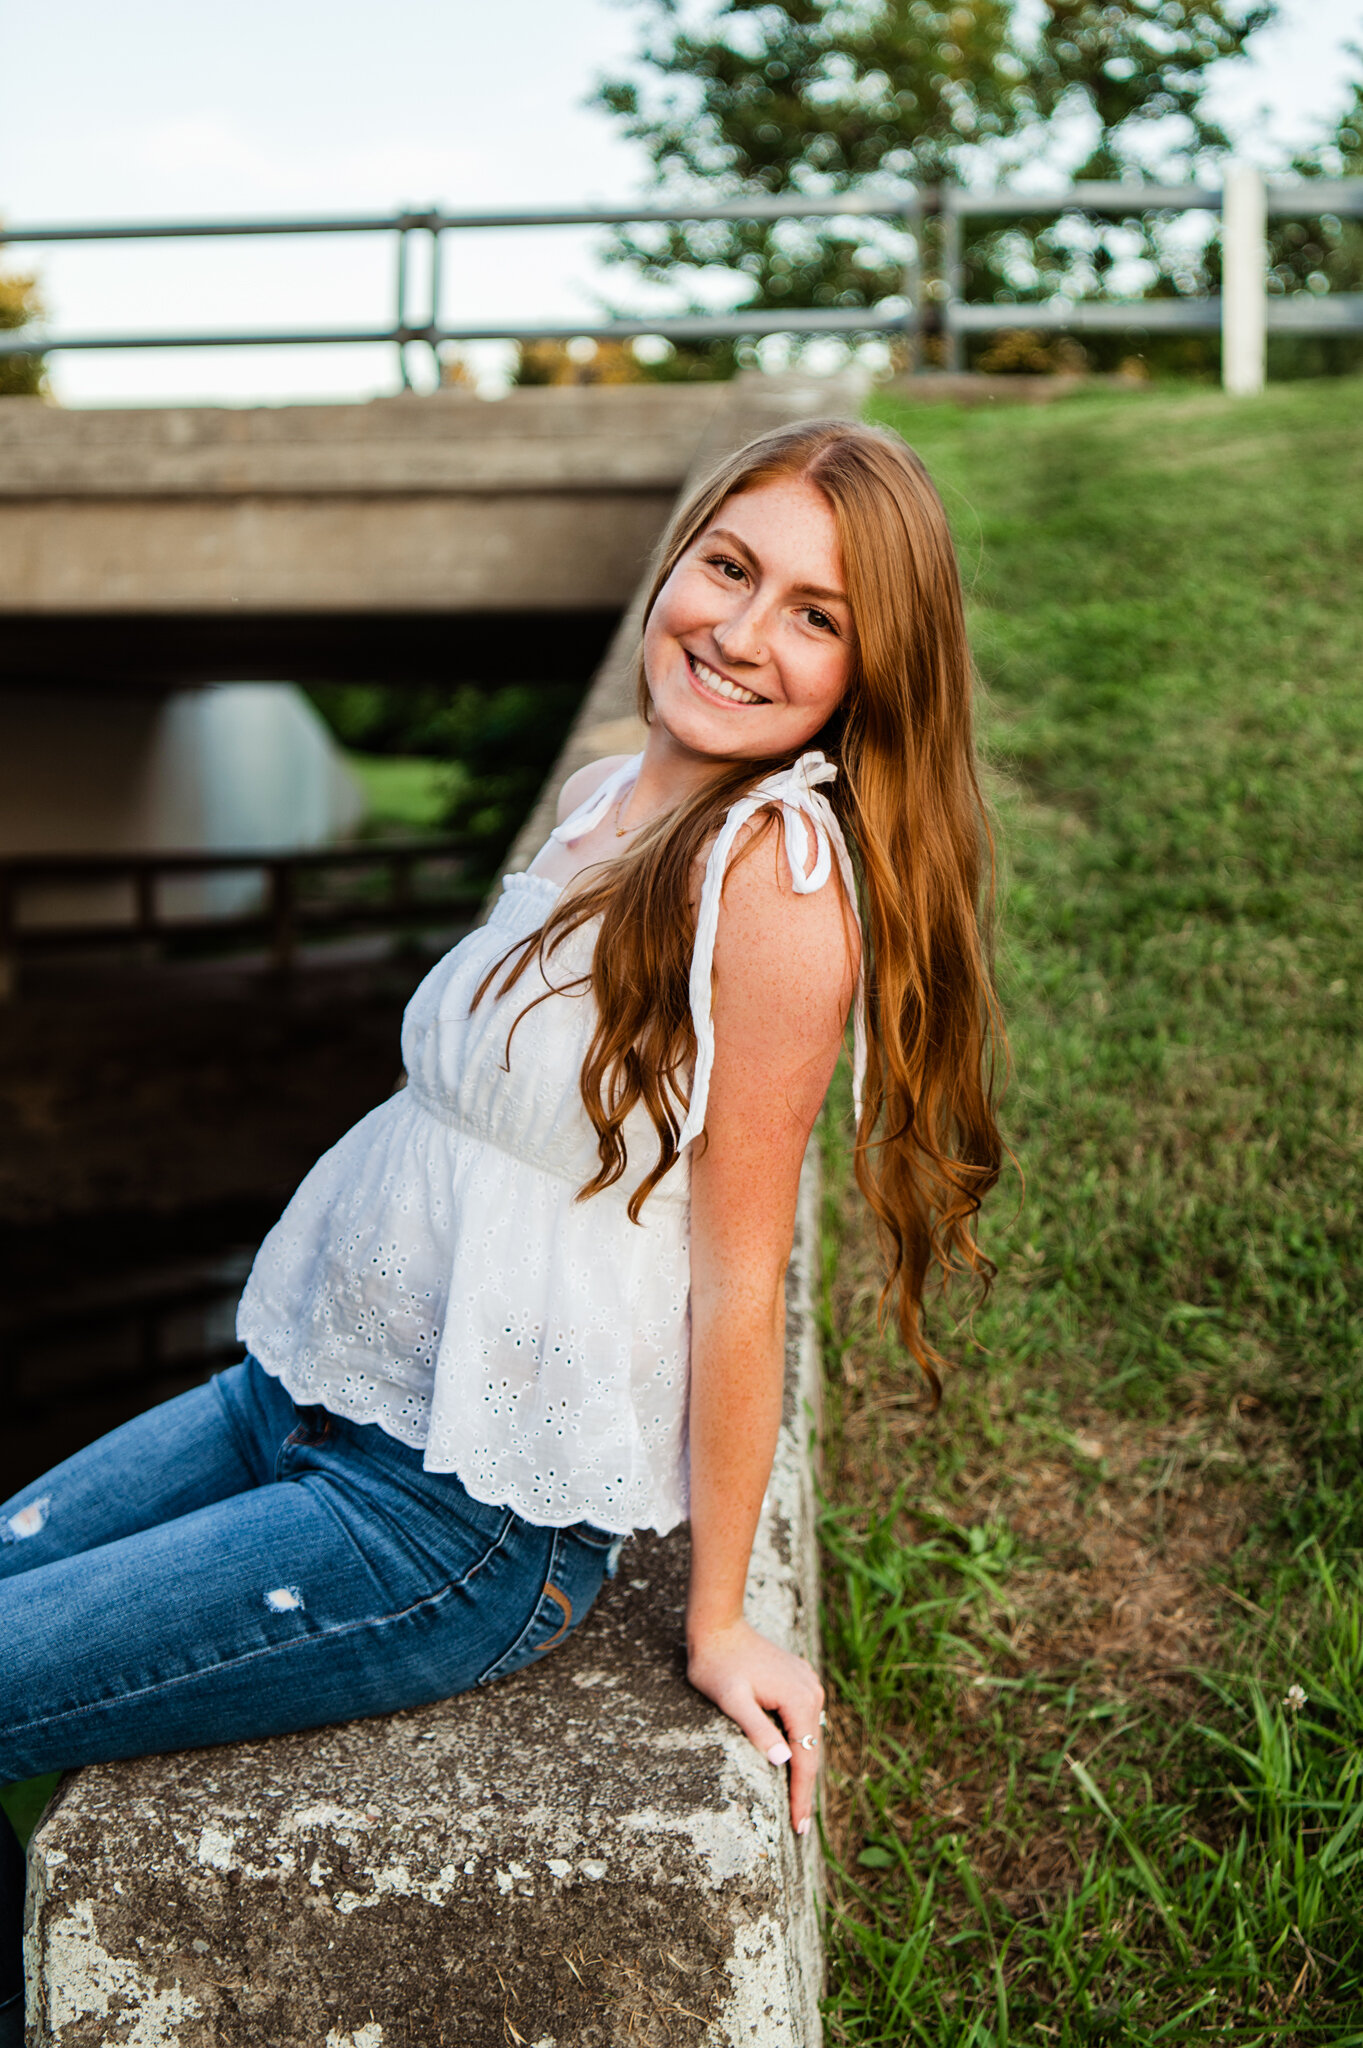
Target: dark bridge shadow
(141, 651)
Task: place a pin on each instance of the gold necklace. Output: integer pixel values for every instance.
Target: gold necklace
(620, 802)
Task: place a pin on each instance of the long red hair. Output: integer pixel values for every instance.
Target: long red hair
(908, 798)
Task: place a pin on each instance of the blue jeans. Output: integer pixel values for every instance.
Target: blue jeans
(229, 1565)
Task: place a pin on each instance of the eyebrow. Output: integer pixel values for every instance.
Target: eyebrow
(804, 589)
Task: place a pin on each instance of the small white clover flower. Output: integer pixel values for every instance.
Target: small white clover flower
(1294, 1699)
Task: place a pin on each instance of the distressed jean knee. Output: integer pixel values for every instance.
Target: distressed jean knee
(29, 1520)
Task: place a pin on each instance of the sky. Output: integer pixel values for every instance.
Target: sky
(155, 109)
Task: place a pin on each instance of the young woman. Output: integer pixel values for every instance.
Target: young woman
(534, 1301)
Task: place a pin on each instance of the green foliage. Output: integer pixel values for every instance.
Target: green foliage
(1321, 254)
(414, 719)
(20, 303)
(770, 95)
(805, 96)
(823, 95)
(1037, 1840)
(1136, 65)
(506, 741)
(554, 362)
(495, 747)
(25, 1802)
(405, 793)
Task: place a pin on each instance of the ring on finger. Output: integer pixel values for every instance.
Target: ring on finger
(809, 1741)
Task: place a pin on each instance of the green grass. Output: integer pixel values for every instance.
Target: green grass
(1051, 1822)
(405, 792)
(24, 1802)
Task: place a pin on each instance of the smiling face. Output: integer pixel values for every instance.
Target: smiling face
(749, 646)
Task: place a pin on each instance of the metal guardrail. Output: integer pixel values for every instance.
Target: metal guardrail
(288, 918)
(1244, 200)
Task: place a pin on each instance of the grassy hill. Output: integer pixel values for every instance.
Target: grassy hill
(1073, 1795)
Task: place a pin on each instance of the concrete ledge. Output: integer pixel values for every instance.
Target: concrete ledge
(583, 1856)
(546, 500)
(630, 437)
(460, 552)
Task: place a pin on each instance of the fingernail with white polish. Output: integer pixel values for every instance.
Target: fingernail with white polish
(803, 1828)
(779, 1753)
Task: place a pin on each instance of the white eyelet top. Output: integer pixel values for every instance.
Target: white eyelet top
(435, 1273)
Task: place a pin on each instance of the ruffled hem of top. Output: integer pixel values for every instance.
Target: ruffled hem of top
(493, 1494)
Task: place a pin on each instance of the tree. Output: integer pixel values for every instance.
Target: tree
(820, 96)
(20, 376)
(499, 743)
(1322, 253)
(1135, 68)
(806, 96)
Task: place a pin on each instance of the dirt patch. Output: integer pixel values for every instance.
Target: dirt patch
(1123, 1535)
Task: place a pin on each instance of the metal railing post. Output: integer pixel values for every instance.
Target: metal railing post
(953, 282)
(912, 218)
(437, 250)
(400, 885)
(400, 323)
(144, 895)
(144, 898)
(281, 915)
(1244, 286)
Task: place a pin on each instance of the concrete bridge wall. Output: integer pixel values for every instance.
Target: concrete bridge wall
(145, 549)
(544, 500)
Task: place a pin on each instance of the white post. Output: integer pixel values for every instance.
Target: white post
(1244, 281)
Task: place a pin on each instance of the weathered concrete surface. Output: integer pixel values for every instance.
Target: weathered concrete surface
(459, 552)
(584, 1856)
(547, 499)
(642, 436)
(440, 538)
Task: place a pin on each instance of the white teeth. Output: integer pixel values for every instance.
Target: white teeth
(721, 685)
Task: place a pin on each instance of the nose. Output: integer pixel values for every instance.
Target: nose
(742, 637)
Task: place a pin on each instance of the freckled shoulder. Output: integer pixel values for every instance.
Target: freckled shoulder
(765, 923)
(583, 782)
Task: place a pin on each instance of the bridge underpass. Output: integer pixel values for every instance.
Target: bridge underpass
(440, 538)
(140, 652)
(146, 553)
